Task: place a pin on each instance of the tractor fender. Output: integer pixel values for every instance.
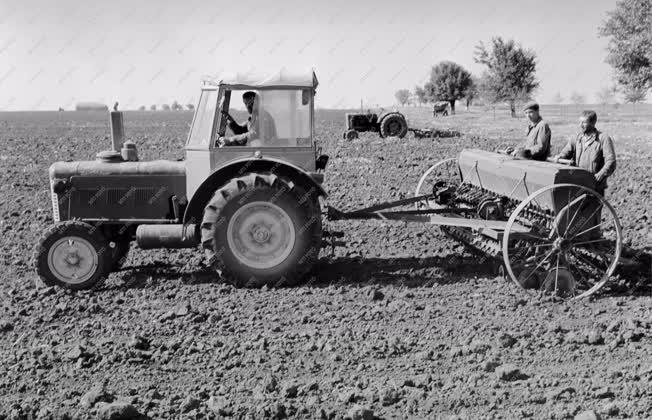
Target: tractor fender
(386, 113)
(233, 169)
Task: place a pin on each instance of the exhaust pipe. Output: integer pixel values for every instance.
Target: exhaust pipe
(117, 129)
(126, 149)
(167, 236)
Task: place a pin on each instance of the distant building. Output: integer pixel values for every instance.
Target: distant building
(91, 106)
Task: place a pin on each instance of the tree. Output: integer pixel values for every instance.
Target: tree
(420, 94)
(152, 108)
(471, 92)
(558, 99)
(448, 82)
(486, 91)
(629, 29)
(402, 96)
(511, 70)
(191, 107)
(412, 99)
(176, 106)
(141, 108)
(165, 107)
(634, 94)
(606, 95)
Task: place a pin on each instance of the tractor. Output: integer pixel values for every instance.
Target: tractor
(253, 208)
(388, 124)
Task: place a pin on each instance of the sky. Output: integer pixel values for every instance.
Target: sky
(57, 53)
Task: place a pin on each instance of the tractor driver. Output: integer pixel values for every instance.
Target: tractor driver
(260, 123)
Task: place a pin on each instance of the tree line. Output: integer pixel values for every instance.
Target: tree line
(175, 106)
(509, 74)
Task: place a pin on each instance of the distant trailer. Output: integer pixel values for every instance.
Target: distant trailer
(440, 108)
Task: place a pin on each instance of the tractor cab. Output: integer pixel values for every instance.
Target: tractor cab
(279, 121)
(283, 106)
(277, 118)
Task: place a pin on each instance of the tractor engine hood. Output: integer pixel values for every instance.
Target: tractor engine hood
(118, 191)
(65, 170)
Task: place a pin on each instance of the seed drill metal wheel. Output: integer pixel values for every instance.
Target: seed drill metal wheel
(571, 252)
(393, 125)
(73, 255)
(445, 171)
(264, 230)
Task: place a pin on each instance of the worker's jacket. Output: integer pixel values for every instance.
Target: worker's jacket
(593, 152)
(260, 126)
(538, 140)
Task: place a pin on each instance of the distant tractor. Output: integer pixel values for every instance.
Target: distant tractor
(440, 108)
(253, 208)
(388, 124)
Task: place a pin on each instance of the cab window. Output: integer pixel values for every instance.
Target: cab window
(201, 132)
(280, 117)
(291, 114)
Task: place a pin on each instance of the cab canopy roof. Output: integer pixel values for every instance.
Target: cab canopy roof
(282, 79)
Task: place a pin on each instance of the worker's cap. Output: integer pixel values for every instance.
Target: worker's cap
(531, 105)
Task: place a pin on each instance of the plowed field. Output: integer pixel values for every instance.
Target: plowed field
(402, 323)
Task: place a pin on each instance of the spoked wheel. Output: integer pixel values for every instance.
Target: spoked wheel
(572, 242)
(442, 173)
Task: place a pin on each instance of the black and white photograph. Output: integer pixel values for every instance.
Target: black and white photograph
(332, 210)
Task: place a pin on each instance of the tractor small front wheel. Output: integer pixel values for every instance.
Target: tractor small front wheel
(73, 255)
(350, 134)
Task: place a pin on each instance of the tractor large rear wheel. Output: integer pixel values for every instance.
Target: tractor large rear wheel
(393, 125)
(263, 230)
